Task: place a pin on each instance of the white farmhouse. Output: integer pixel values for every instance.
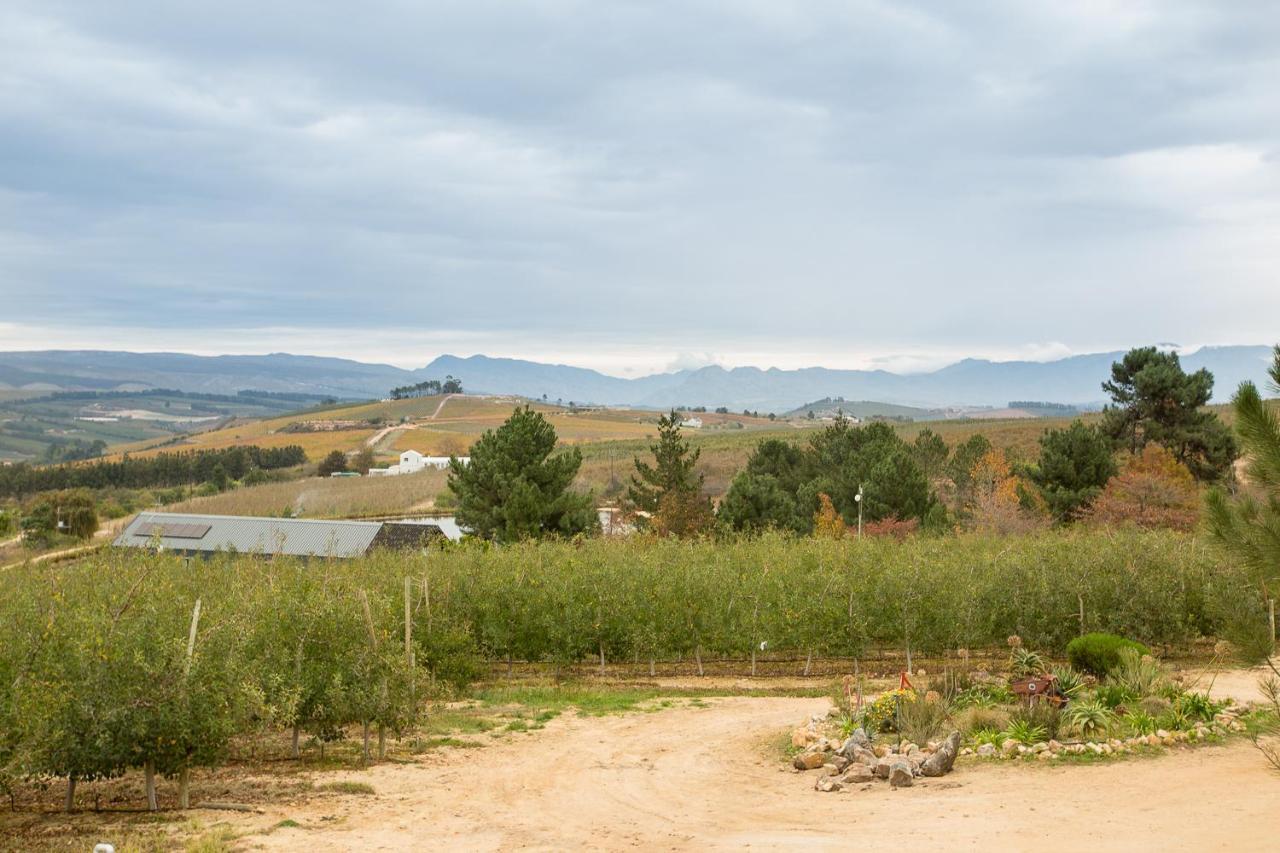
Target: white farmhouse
(692, 423)
(411, 462)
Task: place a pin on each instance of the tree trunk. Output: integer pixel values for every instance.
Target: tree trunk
(697, 655)
(753, 660)
(651, 673)
(1271, 607)
(365, 749)
(71, 792)
(808, 663)
(602, 658)
(149, 772)
(294, 753)
(909, 669)
(510, 666)
(1080, 599)
(184, 788)
(382, 742)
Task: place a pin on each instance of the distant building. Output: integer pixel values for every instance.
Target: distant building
(411, 462)
(203, 535)
(692, 423)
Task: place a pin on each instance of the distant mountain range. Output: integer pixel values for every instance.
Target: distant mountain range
(972, 382)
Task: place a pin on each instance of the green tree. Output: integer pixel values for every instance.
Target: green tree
(1155, 400)
(514, 488)
(1075, 464)
(781, 484)
(930, 453)
(363, 460)
(1248, 525)
(966, 455)
(334, 463)
(70, 512)
(672, 472)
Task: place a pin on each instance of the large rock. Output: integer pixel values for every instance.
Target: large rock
(1009, 748)
(883, 766)
(865, 756)
(941, 762)
(857, 774)
(857, 740)
(900, 775)
(809, 760)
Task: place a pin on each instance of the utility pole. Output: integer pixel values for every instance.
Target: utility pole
(858, 499)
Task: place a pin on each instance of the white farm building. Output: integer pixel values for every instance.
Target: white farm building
(411, 462)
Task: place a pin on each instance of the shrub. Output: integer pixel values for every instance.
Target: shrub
(1154, 705)
(978, 718)
(1024, 732)
(882, 714)
(1099, 653)
(1141, 722)
(995, 737)
(1198, 706)
(1089, 717)
(1137, 673)
(1024, 662)
(921, 720)
(1040, 715)
(1070, 681)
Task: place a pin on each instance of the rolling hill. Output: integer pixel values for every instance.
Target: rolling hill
(972, 382)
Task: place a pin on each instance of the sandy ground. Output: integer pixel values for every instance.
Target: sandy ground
(710, 778)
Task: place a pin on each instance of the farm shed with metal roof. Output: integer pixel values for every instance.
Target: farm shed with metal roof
(194, 534)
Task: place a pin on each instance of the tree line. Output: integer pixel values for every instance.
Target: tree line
(162, 469)
(449, 385)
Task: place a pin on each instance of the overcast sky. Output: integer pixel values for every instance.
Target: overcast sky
(635, 186)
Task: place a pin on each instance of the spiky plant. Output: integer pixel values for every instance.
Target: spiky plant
(1089, 717)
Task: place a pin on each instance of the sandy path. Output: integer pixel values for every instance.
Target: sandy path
(706, 778)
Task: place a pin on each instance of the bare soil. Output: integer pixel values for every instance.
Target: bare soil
(713, 777)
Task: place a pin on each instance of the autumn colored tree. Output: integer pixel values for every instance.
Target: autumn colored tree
(682, 513)
(1001, 502)
(826, 521)
(1154, 490)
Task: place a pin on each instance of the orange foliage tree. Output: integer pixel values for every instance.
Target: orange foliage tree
(1001, 501)
(1154, 490)
(827, 523)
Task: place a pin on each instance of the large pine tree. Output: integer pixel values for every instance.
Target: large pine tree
(672, 478)
(514, 488)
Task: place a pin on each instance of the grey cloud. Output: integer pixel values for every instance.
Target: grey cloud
(692, 176)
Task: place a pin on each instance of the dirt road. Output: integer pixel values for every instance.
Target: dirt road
(709, 778)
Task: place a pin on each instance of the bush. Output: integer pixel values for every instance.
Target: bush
(922, 720)
(1041, 716)
(978, 718)
(1100, 653)
(1089, 717)
(1138, 674)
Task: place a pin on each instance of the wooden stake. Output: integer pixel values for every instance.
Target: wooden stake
(71, 791)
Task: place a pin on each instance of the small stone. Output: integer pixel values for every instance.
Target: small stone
(1153, 740)
(1044, 756)
(1040, 747)
(1162, 734)
(809, 761)
(1054, 746)
(829, 784)
(840, 762)
(986, 750)
(901, 774)
(883, 766)
(1009, 748)
(799, 738)
(908, 748)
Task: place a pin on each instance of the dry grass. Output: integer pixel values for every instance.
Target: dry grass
(322, 497)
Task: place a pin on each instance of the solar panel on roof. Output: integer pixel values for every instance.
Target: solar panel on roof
(173, 531)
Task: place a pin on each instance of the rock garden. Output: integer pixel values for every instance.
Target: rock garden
(1113, 698)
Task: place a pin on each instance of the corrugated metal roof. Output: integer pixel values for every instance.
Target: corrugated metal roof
(297, 537)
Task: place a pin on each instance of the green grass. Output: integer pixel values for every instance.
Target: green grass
(357, 788)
